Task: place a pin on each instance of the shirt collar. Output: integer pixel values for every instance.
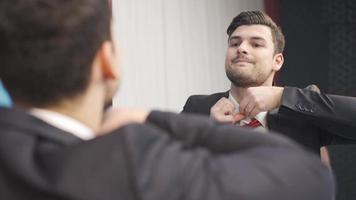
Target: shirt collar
(261, 117)
(64, 122)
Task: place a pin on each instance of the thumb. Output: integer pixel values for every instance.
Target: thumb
(238, 117)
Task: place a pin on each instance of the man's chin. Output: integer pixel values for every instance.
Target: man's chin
(241, 80)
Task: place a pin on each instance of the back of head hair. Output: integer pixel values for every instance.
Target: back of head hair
(48, 46)
(258, 17)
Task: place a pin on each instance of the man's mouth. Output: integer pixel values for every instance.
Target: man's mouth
(241, 60)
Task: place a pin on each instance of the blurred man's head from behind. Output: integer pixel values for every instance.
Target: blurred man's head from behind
(254, 52)
(49, 47)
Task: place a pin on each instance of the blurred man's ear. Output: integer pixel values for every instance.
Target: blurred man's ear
(110, 69)
(108, 62)
(278, 60)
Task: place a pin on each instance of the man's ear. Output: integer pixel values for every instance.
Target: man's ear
(107, 61)
(278, 61)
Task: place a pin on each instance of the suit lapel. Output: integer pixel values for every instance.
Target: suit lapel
(212, 99)
(216, 97)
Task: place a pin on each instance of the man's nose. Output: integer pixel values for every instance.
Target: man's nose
(242, 48)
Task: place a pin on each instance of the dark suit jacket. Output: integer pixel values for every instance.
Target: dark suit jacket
(169, 157)
(312, 119)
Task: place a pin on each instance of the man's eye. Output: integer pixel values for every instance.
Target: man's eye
(257, 45)
(234, 44)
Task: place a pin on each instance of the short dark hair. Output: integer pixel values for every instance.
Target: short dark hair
(47, 46)
(258, 17)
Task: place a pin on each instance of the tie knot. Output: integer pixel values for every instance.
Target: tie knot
(253, 123)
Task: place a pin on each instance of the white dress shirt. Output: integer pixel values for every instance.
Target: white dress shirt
(64, 122)
(261, 117)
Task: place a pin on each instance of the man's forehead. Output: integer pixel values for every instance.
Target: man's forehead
(252, 31)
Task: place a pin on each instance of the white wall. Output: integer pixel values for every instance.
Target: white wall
(171, 49)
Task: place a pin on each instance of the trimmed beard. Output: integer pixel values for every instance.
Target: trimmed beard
(246, 81)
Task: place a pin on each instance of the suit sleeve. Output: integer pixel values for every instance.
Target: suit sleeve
(189, 157)
(196, 130)
(332, 113)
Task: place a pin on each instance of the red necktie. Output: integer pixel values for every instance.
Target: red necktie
(253, 124)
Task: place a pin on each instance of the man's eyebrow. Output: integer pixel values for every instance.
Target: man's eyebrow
(252, 38)
(234, 38)
(258, 38)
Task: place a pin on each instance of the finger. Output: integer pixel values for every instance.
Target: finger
(243, 105)
(222, 111)
(228, 108)
(249, 108)
(222, 101)
(224, 116)
(254, 112)
(238, 117)
(219, 104)
(226, 119)
(223, 106)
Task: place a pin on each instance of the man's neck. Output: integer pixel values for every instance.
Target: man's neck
(90, 118)
(239, 92)
(85, 109)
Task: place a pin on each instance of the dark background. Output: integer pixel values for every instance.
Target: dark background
(321, 49)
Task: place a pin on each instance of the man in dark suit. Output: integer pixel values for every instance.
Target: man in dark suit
(311, 118)
(253, 56)
(58, 64)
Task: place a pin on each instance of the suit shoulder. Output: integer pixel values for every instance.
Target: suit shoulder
(208, 97)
